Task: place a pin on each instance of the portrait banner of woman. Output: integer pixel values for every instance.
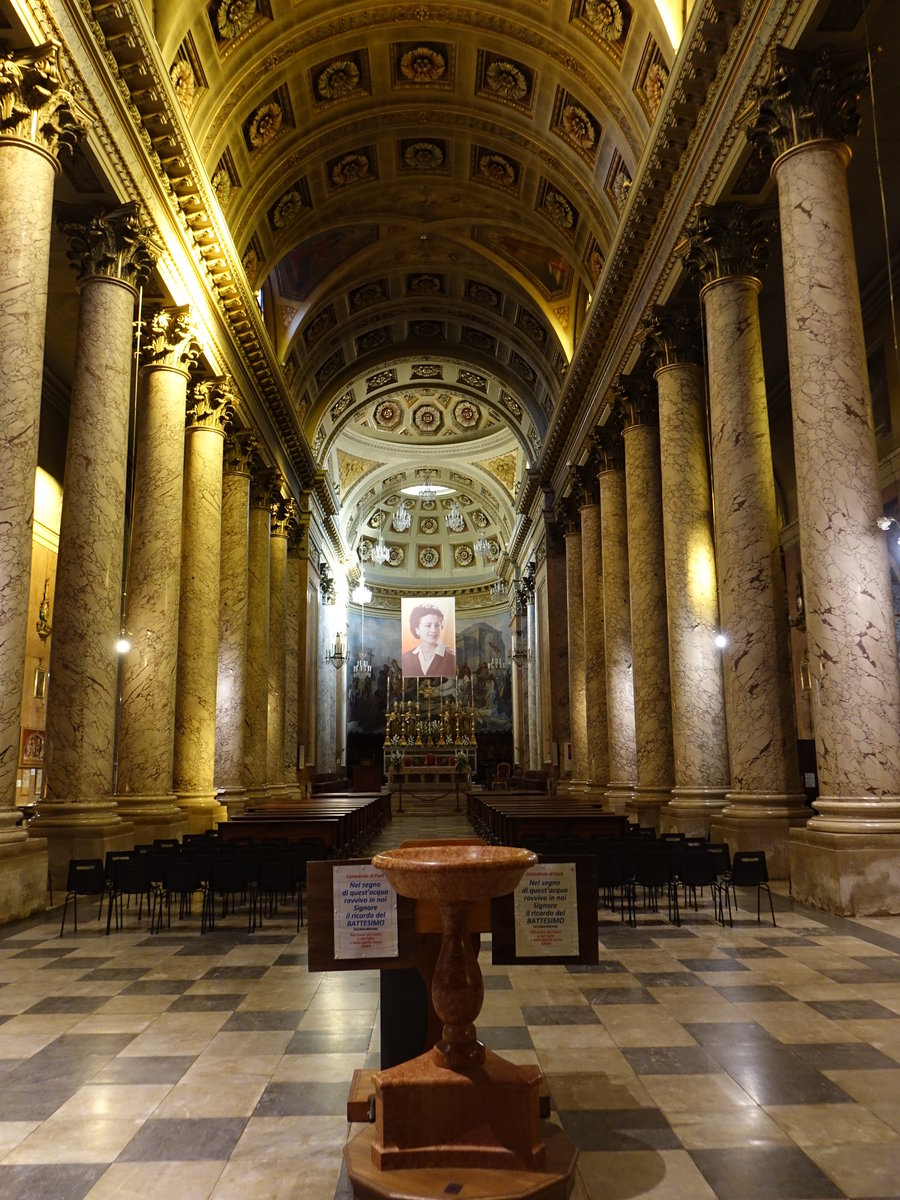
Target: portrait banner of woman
(428, 637)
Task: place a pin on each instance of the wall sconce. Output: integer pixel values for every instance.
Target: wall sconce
(805, 682)
(40, 681)
(337, 655)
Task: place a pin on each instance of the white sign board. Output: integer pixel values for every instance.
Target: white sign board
(365, 913)
(546, 911)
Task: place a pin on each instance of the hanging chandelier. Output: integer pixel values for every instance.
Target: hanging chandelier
(454, 519)
(401, 518)
(482, 546)
(362, 596)
(498, 589)
(379, 553)
(427, 493)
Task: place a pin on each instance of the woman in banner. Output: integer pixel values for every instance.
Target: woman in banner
(432, 658)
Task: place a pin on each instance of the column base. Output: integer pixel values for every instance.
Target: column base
(618, 796)
(856, 814)
(255, 796)
(761, 821)
(578, 785)
(80, 829)
(23, 878)
(646, 805)
(284, 792)
(234, 800)
(152, 816)
(691, 809)
(852, 874)
(201, 810)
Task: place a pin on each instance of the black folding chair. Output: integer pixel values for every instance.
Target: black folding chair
(748, 869)
(653, 874)
(129, 877)
(614, 881)
(697, 869)
(86, 877)
(277, 878)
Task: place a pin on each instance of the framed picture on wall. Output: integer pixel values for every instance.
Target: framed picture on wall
(32, 754)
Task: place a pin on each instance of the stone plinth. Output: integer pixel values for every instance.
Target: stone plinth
(852, 874)
(23, 879)
(80, 830)
(760, 831)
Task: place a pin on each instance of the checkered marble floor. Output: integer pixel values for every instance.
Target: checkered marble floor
(694, 1062)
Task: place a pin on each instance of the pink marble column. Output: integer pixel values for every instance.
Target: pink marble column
(765, 800)
(210, 412)
(240, 457)
(575, 626)
(596, 713)
(695, 664)
(617, 624)
(257, 677)
(647, 589)
(39, 120)
(113, 255)
(153, 579)
(846, 859)
(279, 529)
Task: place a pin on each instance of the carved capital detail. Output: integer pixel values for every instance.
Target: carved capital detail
(608, 446)
(241, 453)
(212, 404)
(639, 399)
(727, 240)
(671, 336)
(808, 97)
(34, 105)
(284, 515)
(114, 244)
(169, 339)
(265, 488)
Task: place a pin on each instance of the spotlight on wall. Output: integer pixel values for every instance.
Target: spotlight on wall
(721, 641)
(123, 643)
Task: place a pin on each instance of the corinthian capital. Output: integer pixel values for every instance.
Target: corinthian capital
(169, 339)
(113, 245)
(34, 105)
(608, 446)
(241, 453)
(671, 336)
(807, 97)
(212, 404)
(284, 516)
(727, 240)
(265, 488)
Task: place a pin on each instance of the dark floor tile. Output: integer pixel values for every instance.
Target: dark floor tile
(302, 1100)
(249, 1020)
(858, 976)
(157, 987)
(61, 1181)
(235, 972)
(880, 963)
(677, 979)
(9, 1064)
(559, 1014)
(201, 948)
(184, 1140)
(68, 1004)
(114, 973)
(712, 964)
(841, 1056)
(505, 1037)
(24, 1100)
(737, 1174)
(619, 1129)
(207, 1002)
(625, 995)
(290, 959)
(674, 931)
(74, 963)
(47, 952)
(497, 983)
(853, 1010)
(753, 993)
(785, 940)
(164, 1068)
(313, 1041)
(774, 1075)
(729, 1033)
(627, 940)
(671, 1060)
(604, 967)
(751, 951)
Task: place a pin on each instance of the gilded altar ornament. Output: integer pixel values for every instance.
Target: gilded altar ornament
(44, 629)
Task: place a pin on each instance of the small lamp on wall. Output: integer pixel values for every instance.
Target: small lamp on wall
(40, 681)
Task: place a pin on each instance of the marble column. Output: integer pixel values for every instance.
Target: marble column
(647, 589)
(210, 412)
(306, 615)
(292, 599)
(847, 858)
(262, 496)
(39, 120)
(518, 682)
(617, 623)
(556, 666)
(279, 530)
(153, 580)
(765, 800)
(113, 255)
(240, 459)
(695, 664)
(328, 748)
(534, 722)
(596, 714)
(575, 627)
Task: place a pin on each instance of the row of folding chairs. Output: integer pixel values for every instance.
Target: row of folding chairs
(258, 875)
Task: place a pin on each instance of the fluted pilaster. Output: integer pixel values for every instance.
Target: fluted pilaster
(210, 413)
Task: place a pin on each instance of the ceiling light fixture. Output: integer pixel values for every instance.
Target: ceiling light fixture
(454, 519)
